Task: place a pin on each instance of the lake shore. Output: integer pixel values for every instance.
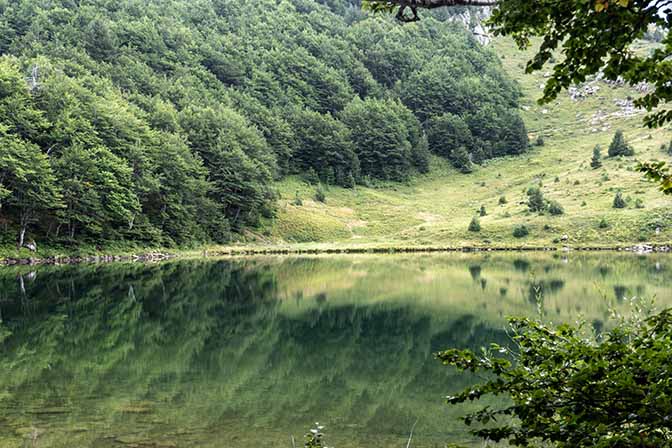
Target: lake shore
(157, 255)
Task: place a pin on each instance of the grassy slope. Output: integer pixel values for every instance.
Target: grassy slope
(436, 209)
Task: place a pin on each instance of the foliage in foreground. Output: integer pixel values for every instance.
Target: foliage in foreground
(571, 390)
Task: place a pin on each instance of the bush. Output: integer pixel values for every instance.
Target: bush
(555, 208)
(482, 211)
(475, 225)
(568, 389)
(619, 202)
(639, 203)
(535, 201)
(520, 231)
(297, 200)
(603, 224)
(319, 194)
(540, 141)
(502, 200)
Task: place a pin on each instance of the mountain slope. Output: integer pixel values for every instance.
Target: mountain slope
(166, 122)
(436, 209)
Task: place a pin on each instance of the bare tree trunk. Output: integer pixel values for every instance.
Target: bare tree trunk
(22, 236)
(24, 220)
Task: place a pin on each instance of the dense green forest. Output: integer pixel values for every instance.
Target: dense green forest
(167, 122)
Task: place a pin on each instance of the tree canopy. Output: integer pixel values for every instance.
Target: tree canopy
(168, 123)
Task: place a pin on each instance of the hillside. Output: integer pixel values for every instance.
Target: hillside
(167, 123)
(436, 209)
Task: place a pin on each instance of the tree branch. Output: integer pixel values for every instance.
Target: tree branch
(383, 5)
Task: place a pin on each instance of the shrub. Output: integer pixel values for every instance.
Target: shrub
(482, 212)
(555, 208)
(603, 224)
(475, 225)
(297, 200)
(568, 389)
(502, 200)
(540, 141)
(619, 202)
(639, 203)
(535, 201)
(520, 231)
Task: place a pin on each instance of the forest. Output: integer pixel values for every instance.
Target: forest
(168, 122)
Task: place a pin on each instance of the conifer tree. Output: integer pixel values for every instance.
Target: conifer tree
(475, 224)
(535, 200)
(619, 147)
(596, 161)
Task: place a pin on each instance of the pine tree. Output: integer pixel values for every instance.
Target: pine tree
(482, 212)
(536, 201)
(596, 161)
(619, 146)
(475, 225)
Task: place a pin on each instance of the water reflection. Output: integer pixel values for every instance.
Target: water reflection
(244, 353)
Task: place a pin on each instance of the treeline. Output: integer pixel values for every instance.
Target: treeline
(167, 122)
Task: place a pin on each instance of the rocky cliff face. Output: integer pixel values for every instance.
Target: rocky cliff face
(474, 20)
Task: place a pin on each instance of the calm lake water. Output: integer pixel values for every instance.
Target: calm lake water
(244, 353)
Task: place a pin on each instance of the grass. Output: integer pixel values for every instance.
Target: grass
(437, 208)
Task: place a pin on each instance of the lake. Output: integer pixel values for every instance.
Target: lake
(247, 352)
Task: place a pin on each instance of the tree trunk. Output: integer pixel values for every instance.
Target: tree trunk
(22, 236)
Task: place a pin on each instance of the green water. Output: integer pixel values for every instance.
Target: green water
(245, 353)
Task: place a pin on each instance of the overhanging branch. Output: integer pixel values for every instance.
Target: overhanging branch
(414, 5)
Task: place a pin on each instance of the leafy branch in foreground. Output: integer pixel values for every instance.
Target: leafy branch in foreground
(569, 390)
(658, 172)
